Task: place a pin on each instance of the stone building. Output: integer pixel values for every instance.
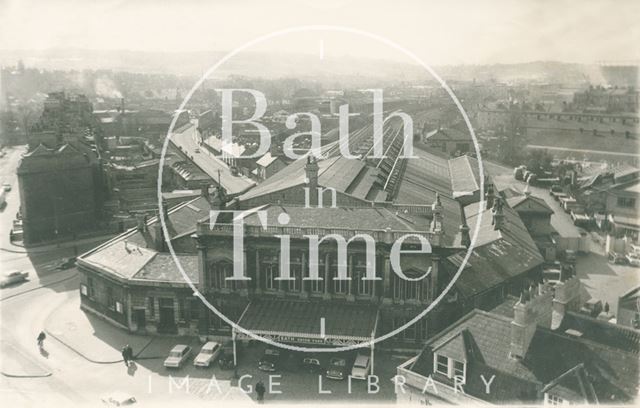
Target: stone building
(59, 193)
(535, 349)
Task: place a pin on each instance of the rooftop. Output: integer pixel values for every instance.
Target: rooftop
(498, 255)
(483, 339)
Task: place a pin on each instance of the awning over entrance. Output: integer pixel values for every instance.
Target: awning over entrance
(292, 321)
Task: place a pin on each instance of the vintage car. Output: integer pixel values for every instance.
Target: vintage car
(270, 360)
(12, 277)
(361, 367)
(208, 354)
(178, 355)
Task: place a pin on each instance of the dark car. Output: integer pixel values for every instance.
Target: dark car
(312, 363)
(67, 263)
(270, 360)
(339, 367)
(225, 361)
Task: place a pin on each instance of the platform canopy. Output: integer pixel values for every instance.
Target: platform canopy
(302, 322)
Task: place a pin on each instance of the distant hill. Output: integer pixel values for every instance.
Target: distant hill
(271, 65)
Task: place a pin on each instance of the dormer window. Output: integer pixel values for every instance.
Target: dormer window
(442, 365)
(450, 367)
(550, 399)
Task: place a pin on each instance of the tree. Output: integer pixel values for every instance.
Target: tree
(538, 161)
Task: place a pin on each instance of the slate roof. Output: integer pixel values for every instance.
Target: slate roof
(132, 254)
(348, 176)
(356, 218)
(465, 177)
(486, 338)
(449, 135)
(422, 179)
(498, 255)
(302, 318)
(537, 204)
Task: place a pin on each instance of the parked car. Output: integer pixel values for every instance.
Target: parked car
(11, 277)
(208, 354)
(6, 187)
(197, 150)
(118, 399)
(617, 258)
(592, 307)
(67, 263)
(552, 275)
(361, 367)
(338, 368)
(178, 355)
(633, 259)
(311, 363)
(569, 256)
(556, 188)
(270, 360)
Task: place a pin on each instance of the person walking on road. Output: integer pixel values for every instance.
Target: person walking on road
(125, 355)
(41, 338)
(129, 353)
(260, 390)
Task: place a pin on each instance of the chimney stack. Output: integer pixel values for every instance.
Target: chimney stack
(498, 215)
(436, 211)
(141, 222)
(532, 309)
(489, 196)
(158, 237)
(311, 173)
(567, 296)
(204, 190)
(465, 238)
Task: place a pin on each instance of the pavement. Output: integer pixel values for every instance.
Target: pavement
(93, 338)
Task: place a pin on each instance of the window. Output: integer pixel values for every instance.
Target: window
(458, 369)
(91, 287)
(409, 290)
(364, 287)
(84, 290)
(152, 307)
(295, 269)
(119, 307)
(626, 202)
(110, 299)
(550, 399)
(442, 365)
(317, 286)
(340, 286)
(221, 271)
(271, 270)
(449, 367)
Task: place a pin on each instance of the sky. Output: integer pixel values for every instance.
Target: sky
(441, 32)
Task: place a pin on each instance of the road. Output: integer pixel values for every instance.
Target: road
(187, 141)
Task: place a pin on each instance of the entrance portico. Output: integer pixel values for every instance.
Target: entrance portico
(310, 324)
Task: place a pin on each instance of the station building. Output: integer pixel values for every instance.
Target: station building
(133, 281)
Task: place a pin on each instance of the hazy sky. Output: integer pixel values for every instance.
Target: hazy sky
(441, 32)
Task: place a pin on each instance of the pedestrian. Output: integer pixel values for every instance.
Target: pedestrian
(125, 355)
(41, 338)
(260, 391)
(129, 352)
